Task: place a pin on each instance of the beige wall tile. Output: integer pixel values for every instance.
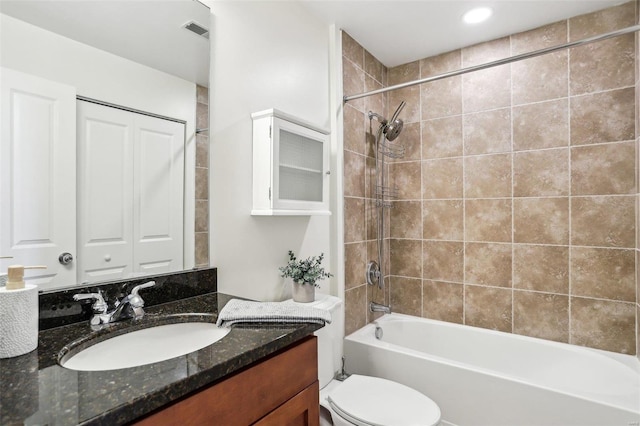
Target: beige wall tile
(202, 150)
(355, 307)
(439, 64)
(352, 50)
(603, 117)
(487, 176)
(541, 78)
(443, 219)
(488, 307)
(410, 140)
(404, 73)
(550, 35)
(541, 220)
(541, 125)
(486, 52)
(353, 83)
(541, 173)
(604, 65)
(486, 89)
(202, 216)
(202, 183)
(406, 295)
(374, 67)
(375, 103)
(607, 221)
(442, 178)
(487, 132)
(353, 174)
(488, 220)
(202, 95)
(411, 95)
(443, 260)
(603, 169)
(488, 264)
(442, 137)
(603, 273)
(443, 301)
(602, 21)
(541, 268)
(603, 324)
(442, 98)
(541, 315)
(202, 249)
(406, 258)
(355, 263)
(354, 220)
(354, 130)
(406, 219)
(406, 177)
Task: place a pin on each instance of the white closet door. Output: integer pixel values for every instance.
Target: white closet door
(37, 176)
(159, 196)
(105, 192)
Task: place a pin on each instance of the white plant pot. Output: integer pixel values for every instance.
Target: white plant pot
(303, 293)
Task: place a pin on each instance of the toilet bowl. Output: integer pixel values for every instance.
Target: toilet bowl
(362, 400)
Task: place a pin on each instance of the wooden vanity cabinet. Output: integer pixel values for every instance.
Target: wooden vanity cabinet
(280, 390)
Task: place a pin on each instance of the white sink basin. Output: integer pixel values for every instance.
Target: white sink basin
(146, 346)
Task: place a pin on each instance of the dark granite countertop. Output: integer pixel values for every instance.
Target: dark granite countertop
(36, 390)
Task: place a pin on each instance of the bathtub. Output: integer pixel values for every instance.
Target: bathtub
(485, 377)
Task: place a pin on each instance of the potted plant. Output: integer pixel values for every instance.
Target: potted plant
(305, 274)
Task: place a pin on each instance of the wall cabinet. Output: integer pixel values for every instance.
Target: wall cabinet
(281, 390)
(290, 166)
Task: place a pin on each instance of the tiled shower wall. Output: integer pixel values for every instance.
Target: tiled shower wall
(202, 179)
(517, 193)
(637, 41)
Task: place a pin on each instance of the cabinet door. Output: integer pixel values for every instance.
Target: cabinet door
(300, 156)
(301, 410)
(38, 176)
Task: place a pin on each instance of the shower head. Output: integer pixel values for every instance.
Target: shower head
(393, 129)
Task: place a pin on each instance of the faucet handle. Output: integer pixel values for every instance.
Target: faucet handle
(99, 306)
(135, 290)
(134, 298)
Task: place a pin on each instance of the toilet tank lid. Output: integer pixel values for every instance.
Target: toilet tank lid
(322, 301)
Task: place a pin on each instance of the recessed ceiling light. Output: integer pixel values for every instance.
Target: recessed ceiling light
(477, 15)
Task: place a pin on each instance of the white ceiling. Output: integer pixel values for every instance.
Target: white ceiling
(400, 31)
(144, 31)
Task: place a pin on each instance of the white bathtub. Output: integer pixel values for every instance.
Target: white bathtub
(484, 377)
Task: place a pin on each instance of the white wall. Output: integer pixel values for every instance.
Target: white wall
(106, 77)
(265, 54)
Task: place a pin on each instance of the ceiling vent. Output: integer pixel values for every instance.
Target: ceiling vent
(198, 29)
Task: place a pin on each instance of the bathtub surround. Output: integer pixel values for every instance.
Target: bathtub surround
(517, 208)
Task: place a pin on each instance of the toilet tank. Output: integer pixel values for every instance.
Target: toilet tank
(330, 337)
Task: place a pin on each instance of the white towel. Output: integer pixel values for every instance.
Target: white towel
(244, 311)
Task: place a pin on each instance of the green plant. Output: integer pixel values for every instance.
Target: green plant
(306, 271)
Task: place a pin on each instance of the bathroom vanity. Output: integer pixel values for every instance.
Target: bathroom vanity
(258, 374)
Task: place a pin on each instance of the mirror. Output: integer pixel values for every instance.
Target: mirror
(140, 61)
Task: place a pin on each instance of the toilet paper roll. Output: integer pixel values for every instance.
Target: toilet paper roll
(18, 321)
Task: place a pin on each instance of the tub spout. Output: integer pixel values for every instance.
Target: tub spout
(377, 307)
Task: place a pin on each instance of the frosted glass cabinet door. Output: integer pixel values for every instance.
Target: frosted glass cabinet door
(291, 174)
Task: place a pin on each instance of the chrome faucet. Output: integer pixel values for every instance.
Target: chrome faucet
(129, 307)
(377, 307)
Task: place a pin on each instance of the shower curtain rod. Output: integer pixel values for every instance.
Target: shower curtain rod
(504, 61)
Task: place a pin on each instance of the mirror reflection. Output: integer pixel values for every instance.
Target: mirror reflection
(101, 102)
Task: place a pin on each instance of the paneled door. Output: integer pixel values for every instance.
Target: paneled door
(38, 176)
(131, 189)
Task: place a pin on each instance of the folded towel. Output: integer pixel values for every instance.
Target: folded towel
(244, 311)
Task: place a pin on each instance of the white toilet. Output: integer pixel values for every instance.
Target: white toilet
(362, 400)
